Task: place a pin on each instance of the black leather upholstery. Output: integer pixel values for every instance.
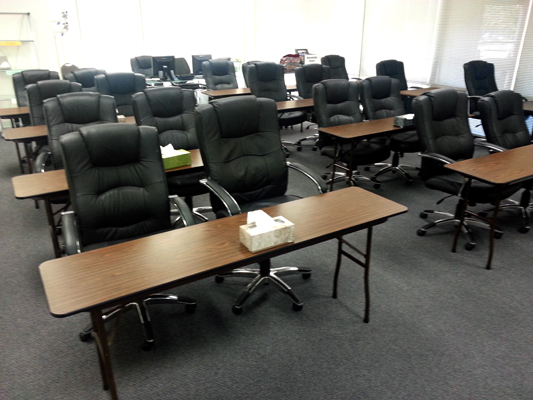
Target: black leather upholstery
(380, 97)
(442, 124)
(267, 79)
(337, 66)
(219, 74)
(68, 112)
(21, 79)
(337, 103)
(42, 90)
(171, 111)
(85, 76)
(142, 65)
(122, 86)
(479, 78)
(393, 69)
(308, 75)
(116, 167)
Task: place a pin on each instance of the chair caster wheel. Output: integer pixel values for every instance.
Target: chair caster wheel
(498, 235)
(297, 307)
(324, 177)
(236, 310)
(408, 182)
(147, 346)
(423, 215)
(85, 336)
(483, 213)
(219, 279)
(469, 246)
(314, 148)
(306, 275)
(523, 229)
(367, 168)
(377, 185)
(190, 308)
(299, 148)
(421, 232)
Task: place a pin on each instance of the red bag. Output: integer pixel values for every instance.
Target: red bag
(291, 61)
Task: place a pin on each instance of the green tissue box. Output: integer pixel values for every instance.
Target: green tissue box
(176, 159)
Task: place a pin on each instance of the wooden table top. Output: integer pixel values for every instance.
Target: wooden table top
(528, 107)
(26, 133)
(10, 112)
(214, 94)
(54, 183)
(502, 168)
(294, 105)
(109, 275)
(359, 130)
(416, 92)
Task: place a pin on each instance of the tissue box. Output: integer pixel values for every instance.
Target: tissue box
(179, 159)
(404, 120)
(256, 237)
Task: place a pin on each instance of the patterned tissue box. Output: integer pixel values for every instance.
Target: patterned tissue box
(261, 236)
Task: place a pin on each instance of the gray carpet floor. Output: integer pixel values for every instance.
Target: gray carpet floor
(441, 326)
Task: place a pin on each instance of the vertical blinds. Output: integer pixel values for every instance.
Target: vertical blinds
(434, 38)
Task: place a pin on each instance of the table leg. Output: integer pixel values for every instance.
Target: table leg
(104, 358)
(52, 227)
(20, 159)
(334, 166)
(29, 157)
(463, 202)
(492, 229)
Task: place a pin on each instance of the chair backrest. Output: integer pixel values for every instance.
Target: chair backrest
(245, 69)
(441, 120)
(181, 66)
(307, 76)
(23, 78)
(502, 116)
(68, 112)
(380, 97)
(267, 79)
(171, 111)
(241, 147)
(67, 69)
(336, 102)
(117, 183)
(122, 86)
(479, 78)
(85, 76)
(337, 66)
(42, 90)
(219, 74)
(394, 69)
(142, 65)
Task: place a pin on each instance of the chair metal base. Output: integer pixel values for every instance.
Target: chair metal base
(350, 180)
(265, 274)
(395, 166)
(144, 316)
(452, 219)
(524, 206)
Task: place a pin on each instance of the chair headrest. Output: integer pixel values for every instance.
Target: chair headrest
(237, 116)
(101, 141)
(337, 90)
(335, 61)
(166, 101)
(313, 72)
(380, 86)
(443, 103)
(481, 68)
(35, 75)
(390, 67)
(80, 108)
(49, 89)
(266, 71)
(219, 67)
(507, 102)
(85, 76)
(145, 62)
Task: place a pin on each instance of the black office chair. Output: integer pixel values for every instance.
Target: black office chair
(479, 80)
(219, 74)
(122, 86)
(502, 116)
(246, 170)
(171, 111)
(118, 191)
(85, 76)
(67, 68)
(267, 79)
(442, 124)
(306, 77)
(142, 65)
(337, 66)
(336, 102)
(245, 71)
(380, 97)
(395, 69)
(24, 78)
(42, 90)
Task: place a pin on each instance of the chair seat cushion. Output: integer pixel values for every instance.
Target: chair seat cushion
(292, 118)
(365, 152)
(187, 185)
(260, 204)
(405, 142)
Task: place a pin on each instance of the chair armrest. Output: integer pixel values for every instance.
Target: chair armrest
(183, 209)
(40, 161)
(437, 157)
(70, 233)
(229, 202)
(316, 178)
(488, 145)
